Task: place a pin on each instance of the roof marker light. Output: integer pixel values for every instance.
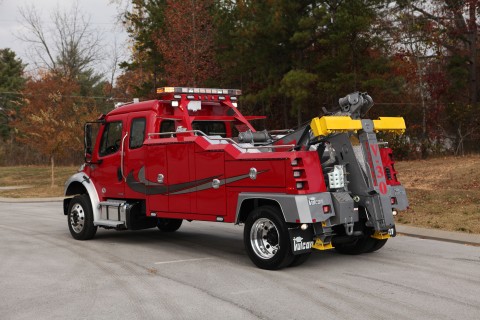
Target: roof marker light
(179, 90)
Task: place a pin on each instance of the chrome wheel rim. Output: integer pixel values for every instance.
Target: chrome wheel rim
(77, 218)
(264, 238)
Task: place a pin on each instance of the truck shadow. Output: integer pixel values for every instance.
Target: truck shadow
(213, 242)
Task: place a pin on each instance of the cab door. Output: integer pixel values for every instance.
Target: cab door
(107, 171)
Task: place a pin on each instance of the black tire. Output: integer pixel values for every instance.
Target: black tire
(267, 240)
(365, 244)
(169, 225)
(377, 245)
(300, 259)
(80, 218)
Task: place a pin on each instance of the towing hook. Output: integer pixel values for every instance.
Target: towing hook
(356, 198)
(349, 227)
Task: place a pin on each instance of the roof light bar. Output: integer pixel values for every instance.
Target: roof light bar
(231, 92)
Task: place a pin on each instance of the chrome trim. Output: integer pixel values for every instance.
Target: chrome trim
(264, 238)
(122, 155)
(87, 182)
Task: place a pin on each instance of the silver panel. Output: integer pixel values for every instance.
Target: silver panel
(294, 208)
(401, 195)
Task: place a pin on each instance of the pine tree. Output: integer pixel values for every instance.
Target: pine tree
(12, 81)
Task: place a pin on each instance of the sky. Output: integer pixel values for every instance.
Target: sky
(101, 12)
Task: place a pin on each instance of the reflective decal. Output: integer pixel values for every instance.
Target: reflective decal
(143, 185)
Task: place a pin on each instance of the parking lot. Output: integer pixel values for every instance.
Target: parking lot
(202, 272)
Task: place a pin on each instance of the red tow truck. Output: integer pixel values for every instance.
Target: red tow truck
(191, 155)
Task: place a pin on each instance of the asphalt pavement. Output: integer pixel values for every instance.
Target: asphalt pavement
(407, 230)
(203, 272)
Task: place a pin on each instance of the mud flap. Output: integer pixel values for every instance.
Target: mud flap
(301, 240)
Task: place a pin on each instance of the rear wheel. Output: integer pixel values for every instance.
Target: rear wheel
(300, 259)
(169, 225)
(80, 218)
(377, 245)
(266, 239)
(365, 244)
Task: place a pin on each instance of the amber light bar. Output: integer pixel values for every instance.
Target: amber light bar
(231, 92)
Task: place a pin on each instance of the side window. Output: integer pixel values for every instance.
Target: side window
(137, 133)
(214, 128)
(111, 138)
(167, 126)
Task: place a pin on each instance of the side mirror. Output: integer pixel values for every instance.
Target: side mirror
(88, 142)
(91, 130)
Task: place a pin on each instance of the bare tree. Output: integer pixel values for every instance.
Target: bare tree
(116, 56)
(69, 46)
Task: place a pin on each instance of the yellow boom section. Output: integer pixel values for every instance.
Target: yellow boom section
(391, 124)
(335, 124)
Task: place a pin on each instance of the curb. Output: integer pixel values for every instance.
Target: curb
(439, 235)
(30, 200)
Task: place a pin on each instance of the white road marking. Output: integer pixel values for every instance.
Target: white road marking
(186, 260)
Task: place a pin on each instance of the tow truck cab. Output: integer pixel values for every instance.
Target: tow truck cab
(191, 155)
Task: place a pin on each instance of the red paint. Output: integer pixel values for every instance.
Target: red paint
(374, 148)
(185, 158)
(383, 187)
(389, 166)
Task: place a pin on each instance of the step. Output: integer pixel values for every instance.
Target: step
(109, 223)
(111, 203)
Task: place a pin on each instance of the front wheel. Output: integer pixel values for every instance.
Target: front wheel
(80, 218)
(266, 239)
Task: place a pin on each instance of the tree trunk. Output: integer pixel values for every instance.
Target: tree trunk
(473, 51)
(52, 162)
(299, 115)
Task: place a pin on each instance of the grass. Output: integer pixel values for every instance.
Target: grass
(444, 193)
(37, 178)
